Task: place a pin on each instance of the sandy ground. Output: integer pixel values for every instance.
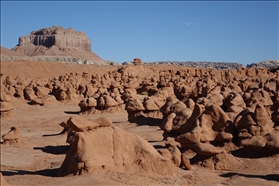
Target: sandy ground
(37, 159)
(31, 69)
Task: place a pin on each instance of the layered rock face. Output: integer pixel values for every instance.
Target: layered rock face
(57, 35)
(54, 44)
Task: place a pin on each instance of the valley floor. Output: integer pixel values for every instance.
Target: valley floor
(37, 159)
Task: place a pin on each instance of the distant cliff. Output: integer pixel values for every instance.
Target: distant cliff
(57, 43)
(58, 36)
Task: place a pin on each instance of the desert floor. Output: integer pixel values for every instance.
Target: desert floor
(37, 159)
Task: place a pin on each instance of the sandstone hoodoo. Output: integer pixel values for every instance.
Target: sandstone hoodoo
(137, 61)
(57, 44)
(141, 122)
(94, 148)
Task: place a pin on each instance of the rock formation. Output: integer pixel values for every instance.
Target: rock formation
(197, 107)
(57, 44)
(58, 36)
(96, 149)
(137, 61)
(204, 113)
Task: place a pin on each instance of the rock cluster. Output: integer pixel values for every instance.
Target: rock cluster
(202, 111)
(143, 90)
(216, 113)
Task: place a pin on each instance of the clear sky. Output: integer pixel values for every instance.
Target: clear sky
(230, 31)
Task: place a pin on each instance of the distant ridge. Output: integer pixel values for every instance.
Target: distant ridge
(56, 44)
(265, 64)
(203, 64)
(216, 65)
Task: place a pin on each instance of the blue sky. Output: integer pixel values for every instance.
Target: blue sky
(235, 31)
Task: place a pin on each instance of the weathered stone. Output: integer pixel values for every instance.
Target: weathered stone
(137, 61)
(80, 124)
(57, 35)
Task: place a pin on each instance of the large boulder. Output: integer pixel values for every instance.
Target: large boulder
(110, 149)
(87, 104)
(256, 121)
(80, 124)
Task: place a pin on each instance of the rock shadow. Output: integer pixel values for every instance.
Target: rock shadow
(269, 177)
(142, 120)
(62, 149)
(199, 158)
(159, 146)
(60, 133)
(44, 172)
(71, 112)
(254, 152)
